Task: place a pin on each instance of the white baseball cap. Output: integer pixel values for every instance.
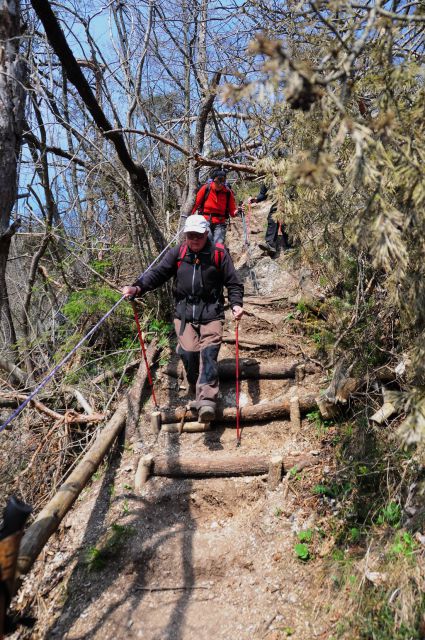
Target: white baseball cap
(196, 224)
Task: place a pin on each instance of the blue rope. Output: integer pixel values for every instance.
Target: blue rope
(77, 346)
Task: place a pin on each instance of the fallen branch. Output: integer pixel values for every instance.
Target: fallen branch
(251, 413)
(69, 416)
(84, 404)
(111, 373)
(17, 375)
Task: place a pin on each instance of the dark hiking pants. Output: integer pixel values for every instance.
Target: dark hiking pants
(272, 231)
(198, 348)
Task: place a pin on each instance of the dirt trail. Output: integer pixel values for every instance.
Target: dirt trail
(200, 559)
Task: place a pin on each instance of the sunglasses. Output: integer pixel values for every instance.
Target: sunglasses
(194, 236)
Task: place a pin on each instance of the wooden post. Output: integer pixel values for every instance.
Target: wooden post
(156, 422)
(294, 412)
(300, 371)
(143, 472)
(275, 472)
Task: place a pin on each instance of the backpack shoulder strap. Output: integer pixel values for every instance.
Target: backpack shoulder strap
(204, 199)
(218, 255)
(228, 192)
(182, 254)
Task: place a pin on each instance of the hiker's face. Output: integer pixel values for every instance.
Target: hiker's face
(196, 241)
(219, 182)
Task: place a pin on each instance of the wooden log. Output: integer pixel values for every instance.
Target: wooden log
(50, 517)
(256, 344)
(143, 472)
(223, 465)
(275, 472)
(134, 396)
(156, 422)
(294, 411)
(188, 427)
(248, 368)
(250, 413)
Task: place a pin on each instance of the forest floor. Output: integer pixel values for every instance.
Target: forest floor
(209, 558)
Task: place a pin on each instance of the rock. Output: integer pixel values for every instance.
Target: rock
(383, 413)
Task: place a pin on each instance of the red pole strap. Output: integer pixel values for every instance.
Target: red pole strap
(142, 344)
(238, 433)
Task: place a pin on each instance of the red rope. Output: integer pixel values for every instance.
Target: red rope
(238, 433)
(142, 344)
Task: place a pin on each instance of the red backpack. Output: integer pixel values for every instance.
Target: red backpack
(216, 255)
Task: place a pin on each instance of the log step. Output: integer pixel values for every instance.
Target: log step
(250, 413)
(221, 467)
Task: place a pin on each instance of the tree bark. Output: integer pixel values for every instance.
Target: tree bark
(252, 413)
(251, 369)
(228, 465)
(12, 104)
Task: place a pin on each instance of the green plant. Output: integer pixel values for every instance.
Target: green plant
(302, 552)
(355, 534)
(97, 556)
(390, 514)
(293, 473)
(94, 559)
(305, 536)
(321, 425)
(278, 512)
(404, 544)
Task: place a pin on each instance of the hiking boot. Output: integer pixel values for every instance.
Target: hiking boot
(206, 414)
(265, 246)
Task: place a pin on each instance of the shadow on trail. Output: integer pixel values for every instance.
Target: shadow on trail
(151, 524)
(246, 365)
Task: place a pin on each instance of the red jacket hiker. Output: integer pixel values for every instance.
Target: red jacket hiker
(218, 205)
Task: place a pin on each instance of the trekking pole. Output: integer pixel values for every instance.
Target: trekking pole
(238, 432)
(142, 345)
(248, 220)
(242, 215)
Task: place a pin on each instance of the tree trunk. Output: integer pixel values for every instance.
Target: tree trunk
(12, 103)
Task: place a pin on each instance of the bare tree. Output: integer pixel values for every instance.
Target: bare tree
(12, 103)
